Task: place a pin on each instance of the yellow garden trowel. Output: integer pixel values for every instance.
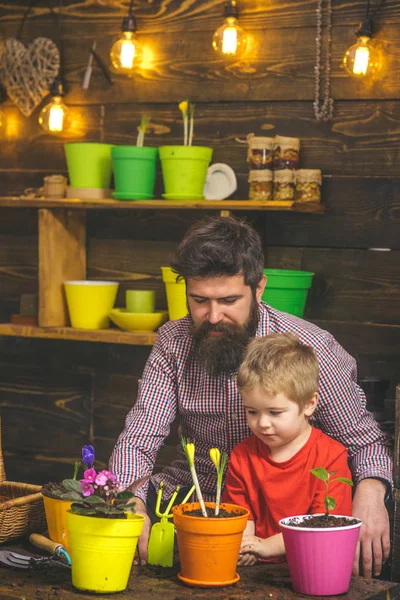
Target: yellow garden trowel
(161, 542)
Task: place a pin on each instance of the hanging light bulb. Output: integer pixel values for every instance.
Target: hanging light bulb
(126, 52)
(3, 96)
(230, 40)
(362, 60)
(54, 116)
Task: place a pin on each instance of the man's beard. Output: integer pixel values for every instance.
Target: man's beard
(223, 353)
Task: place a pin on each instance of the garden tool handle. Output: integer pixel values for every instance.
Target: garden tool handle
(42, 542)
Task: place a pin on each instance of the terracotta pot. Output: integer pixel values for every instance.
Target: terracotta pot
(209, 548)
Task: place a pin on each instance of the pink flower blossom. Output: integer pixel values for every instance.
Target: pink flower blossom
(87, 489)
(101, 479)
(110, 476)
(89, 476)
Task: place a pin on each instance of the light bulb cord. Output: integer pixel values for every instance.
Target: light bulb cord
(377, 7)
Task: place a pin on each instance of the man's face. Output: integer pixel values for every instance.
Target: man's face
(225, 316)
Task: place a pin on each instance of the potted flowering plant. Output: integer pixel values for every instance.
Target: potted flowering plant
(135, 167)
(321, 541)
(104, 531)
(184, 168)
(209, 533)
(57, 503)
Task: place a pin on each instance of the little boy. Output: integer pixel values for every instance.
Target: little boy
(269, 472)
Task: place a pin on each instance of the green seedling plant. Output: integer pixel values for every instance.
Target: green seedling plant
(187, 109)
(142, 128)
(219, 460)
(321, 473)
(189, 450)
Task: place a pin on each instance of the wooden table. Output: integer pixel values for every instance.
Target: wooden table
(261, 582)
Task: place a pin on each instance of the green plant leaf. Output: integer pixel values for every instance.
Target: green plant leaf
(333, 472)
(72, 485)
(82, 510)
(329, 502)
(104, 509)
(74, 496)
(321, 473)
(94, 500)
(344, 480)
(125, 496)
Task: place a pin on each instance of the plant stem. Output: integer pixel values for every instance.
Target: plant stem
(198, 491)
(217, 501)
(191, 108)
(185, 129)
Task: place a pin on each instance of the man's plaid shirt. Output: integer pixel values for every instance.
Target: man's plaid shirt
(211, 414)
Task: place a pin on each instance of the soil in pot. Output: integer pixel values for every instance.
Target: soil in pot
(323, 521)
(49, 489)
(223, 514)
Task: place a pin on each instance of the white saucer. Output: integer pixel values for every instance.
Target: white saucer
(220, 183)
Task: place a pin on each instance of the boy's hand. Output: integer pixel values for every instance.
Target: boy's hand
(251, 548)
(260, 548)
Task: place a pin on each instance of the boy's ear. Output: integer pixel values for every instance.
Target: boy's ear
(311, 405)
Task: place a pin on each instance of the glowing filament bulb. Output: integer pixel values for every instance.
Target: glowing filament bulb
(127, 54)
(361, 60)
(229, 40)
(56, 117)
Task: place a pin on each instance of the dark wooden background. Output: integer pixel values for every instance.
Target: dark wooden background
(58, 395)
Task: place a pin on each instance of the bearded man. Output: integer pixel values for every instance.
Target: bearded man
(191, 375)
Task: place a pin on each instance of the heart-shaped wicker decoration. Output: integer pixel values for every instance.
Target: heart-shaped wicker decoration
(28, 72)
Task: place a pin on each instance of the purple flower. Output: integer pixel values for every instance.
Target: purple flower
(88, 456)
(87, 488)
(101, 479)
(89, 476)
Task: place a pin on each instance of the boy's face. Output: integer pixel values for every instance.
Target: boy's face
(275, 419)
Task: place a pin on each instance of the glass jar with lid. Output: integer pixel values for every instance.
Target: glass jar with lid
(308, 185)
(260, 151)
(286, 153)
(260, 185)
(284, 185)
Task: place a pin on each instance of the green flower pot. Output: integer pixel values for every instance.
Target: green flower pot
(89, 164)
(287, 290)
(184, 170)
(134, 172)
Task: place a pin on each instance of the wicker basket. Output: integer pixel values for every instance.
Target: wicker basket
(21, 507)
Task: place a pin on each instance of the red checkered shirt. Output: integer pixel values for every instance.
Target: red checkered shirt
(211, 414)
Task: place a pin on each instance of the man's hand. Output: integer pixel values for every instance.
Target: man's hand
(142, 549)
(374, 541)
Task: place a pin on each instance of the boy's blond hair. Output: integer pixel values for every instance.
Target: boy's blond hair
(280, 363)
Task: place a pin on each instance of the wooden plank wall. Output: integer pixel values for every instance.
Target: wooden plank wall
(55, 396)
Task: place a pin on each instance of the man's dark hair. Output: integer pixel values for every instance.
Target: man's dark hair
(218, 246)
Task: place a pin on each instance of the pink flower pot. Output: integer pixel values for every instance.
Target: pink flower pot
(320, 560)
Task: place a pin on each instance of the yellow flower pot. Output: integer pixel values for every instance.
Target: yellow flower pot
(176, 294)
(102, 551)
(56, 517)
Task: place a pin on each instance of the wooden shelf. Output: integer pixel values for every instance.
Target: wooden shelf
(62, 256)
(110, 204)
(110, 336)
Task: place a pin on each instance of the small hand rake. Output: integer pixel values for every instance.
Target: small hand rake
(161, 542)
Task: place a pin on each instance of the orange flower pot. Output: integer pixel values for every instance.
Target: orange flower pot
(56, 517)
(209, 548)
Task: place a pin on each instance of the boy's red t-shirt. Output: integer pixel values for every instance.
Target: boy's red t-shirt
(272, 491)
